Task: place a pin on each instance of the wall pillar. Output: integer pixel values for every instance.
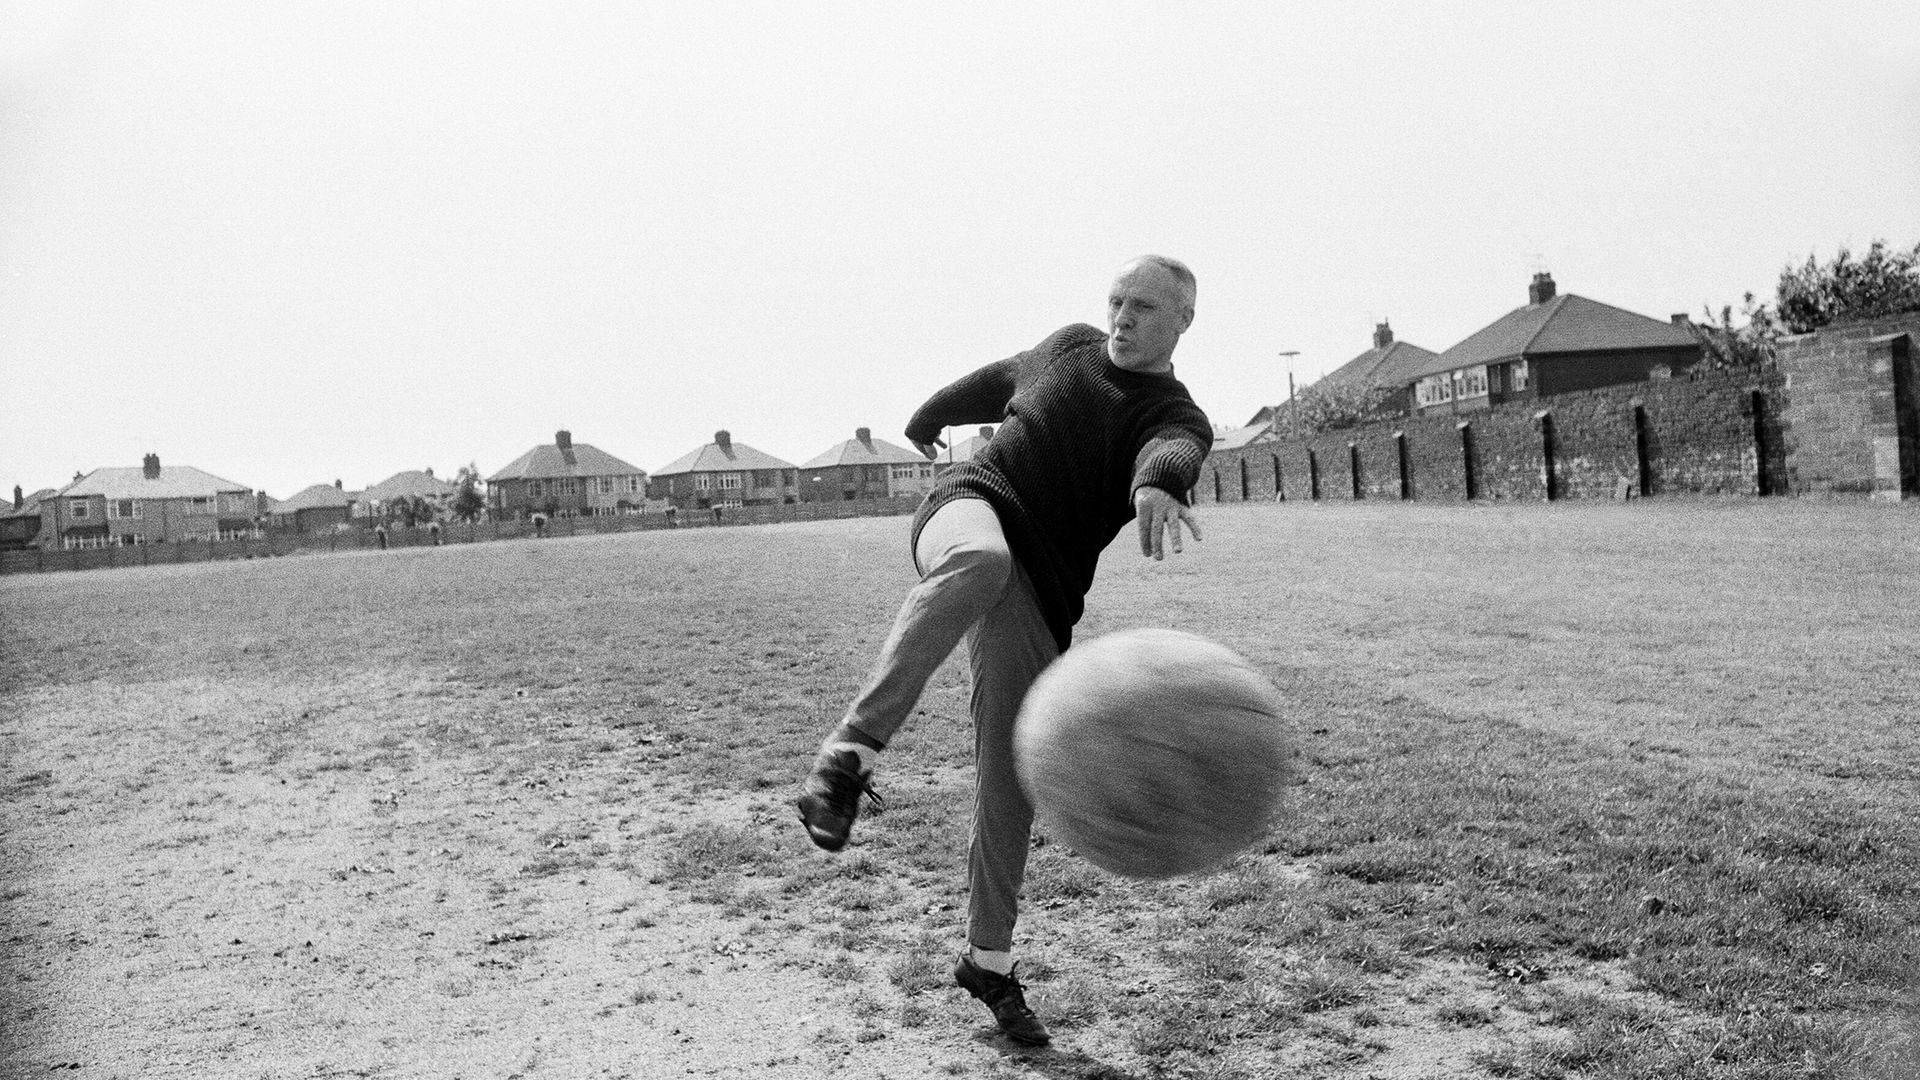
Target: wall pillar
(1891, 417)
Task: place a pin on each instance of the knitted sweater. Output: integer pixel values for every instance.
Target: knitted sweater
(1077, 436)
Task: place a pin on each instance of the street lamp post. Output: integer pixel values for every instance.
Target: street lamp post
(1293, 408)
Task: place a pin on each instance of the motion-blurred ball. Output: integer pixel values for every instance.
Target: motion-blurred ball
(1153, 753)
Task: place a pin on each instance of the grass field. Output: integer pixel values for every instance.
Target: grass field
(1611, 790)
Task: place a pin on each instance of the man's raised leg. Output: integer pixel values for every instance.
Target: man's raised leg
(965, 569)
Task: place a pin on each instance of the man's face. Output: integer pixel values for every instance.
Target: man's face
(1146, 314)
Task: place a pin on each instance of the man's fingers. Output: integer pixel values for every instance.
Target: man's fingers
(1193, 523)
(1147, 528)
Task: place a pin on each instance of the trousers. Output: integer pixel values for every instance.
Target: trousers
(971, 587)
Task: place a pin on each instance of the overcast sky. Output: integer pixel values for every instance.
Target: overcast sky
(293, 243)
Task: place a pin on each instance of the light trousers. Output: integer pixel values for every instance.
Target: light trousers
(970, 587)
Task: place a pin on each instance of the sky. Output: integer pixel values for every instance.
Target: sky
(293, 244)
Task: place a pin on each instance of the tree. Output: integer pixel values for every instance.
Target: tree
(1330, 406)
(467, 500)
(1882, 282)
(1740, 346)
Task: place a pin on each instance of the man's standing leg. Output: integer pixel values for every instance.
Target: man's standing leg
(1008, 648)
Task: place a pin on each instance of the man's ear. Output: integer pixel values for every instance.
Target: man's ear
(1186, 319)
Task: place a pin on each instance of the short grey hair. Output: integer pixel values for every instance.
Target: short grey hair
(1189, 287)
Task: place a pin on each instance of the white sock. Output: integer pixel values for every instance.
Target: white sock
(1000, 963)
(867, 754)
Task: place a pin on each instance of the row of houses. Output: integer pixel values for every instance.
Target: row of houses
(154, 504)
(1556, 344)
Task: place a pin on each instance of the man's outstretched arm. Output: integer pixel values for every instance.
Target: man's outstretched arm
(977, 398)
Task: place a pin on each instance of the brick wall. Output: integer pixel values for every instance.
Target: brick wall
(1703, 432)
(1852, 428)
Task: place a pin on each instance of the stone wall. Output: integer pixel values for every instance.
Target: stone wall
(1853, 426)
(1706, 432)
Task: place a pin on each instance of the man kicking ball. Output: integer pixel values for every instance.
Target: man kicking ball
(1094, 432)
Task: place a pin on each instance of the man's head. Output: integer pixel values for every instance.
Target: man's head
(1148, 308)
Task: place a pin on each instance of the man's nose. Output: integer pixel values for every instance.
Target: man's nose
(1123, 316)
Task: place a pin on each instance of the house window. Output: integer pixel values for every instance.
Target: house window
(77, 508)
(1471, 382)
(702, 481)
(635, 483)
(123, 508)
(83, 543)
(1518, 373)
(604, 485)
(904, 472)
(132, 539)
(535, 489)
(729, 481)
(200, 504)
(1435, 390)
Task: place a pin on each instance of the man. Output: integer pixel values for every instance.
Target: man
(1094, 431)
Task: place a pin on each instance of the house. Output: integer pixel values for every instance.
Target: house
(1556, 344)
(965, 449)
(864, 467)
(317, 509)
(384, 499)
(726, 473)
(1387, 369)
(147, 505)
(20, 523)
(565, 479)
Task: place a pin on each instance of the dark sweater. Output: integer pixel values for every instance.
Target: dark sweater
(1077, 436)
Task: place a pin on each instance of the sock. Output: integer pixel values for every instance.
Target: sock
(848, 737)
(1000, 963)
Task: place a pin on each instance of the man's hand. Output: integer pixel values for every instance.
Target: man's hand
(1160, 515)
(930, 448)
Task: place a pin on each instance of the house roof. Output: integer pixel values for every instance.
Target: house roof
(1243, 436)
(965, 449)
(1382, 367)
(403, 485)
(29, 504)
(313, 498)
(734, 457)
(871, 452)
(1564, 324)
(549, 461)
(174, 482)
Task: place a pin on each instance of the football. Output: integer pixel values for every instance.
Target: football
(1154, 753)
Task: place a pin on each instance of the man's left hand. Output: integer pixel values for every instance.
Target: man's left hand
(1159, 516)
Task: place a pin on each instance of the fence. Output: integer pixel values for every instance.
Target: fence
(357, 539)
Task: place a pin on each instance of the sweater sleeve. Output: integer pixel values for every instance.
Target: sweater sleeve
(1173, 451)
(978, 398)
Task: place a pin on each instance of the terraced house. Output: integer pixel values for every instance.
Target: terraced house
(566, 479)
(147, 505)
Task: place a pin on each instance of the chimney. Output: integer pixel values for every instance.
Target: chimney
(1680, 320)
(150, 466)
(429, 472)
(1541, 290)
(338, 486)
(563, 439)
(18, 502)
(724, 441)
(865, 435)
(1382, 336)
